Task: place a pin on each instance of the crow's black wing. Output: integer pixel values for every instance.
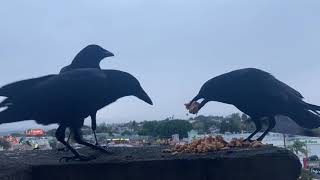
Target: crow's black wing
(17, 89)
(61, 98)
(78, 88)
(275, 88)
(250, 83)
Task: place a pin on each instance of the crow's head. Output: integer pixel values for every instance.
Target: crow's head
(124, 84)
(97, 51)
(90, 56)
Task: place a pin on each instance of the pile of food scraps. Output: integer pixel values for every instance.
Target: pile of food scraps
(211, 143)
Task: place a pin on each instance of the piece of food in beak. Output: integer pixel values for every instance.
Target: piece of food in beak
(194, 107)
(187, 105)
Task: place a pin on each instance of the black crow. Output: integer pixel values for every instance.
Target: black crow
(88, 57)
(68, 98)
(259, 95)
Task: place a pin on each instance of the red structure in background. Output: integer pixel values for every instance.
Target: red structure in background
(35, 132)
(305, 163)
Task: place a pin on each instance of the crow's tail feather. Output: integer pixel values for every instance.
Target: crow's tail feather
(11, 115)
(306, 116)
(5, 103)
(314, 108)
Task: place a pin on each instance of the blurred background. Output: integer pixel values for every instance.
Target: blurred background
(172, 47)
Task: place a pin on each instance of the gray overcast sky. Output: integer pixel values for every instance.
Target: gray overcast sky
(171, 46)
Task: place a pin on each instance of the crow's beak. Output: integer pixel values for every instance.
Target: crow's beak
(144, 97)
(108, 54)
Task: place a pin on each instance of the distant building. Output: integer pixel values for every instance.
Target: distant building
(34, 132)
(175, 138)
(214, 130)
(193, 134)
(12, 139)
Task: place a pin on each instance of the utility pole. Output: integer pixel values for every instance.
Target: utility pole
(284, 141)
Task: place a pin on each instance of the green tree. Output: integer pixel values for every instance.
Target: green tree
(235, 117)
(126, 133)
(306, 175)
(244, 117)
(298, 146)
(86, 130)
(104, 128)
(134, 126)
(148, 128)
(231, 123)
(247, 125)
(203, 123)
(224, 126)
(167, 128)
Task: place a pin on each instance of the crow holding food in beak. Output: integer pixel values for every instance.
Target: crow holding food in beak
(68, 98)
(259, 95)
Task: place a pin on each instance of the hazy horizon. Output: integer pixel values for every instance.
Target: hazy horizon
(172, 47)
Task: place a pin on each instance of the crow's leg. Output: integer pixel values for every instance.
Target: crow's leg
(78, 139)
(69, 137)
(94, 126)
(258, 125)
(65, 149)
(272, 124)
(60, 135)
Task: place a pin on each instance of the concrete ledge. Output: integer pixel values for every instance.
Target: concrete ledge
(268, 163)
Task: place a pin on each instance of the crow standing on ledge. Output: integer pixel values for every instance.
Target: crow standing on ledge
(68, 98)
(259, 95)
(88, 57)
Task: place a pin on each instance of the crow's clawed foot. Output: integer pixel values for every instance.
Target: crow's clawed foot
(77, 158)
(103, 149)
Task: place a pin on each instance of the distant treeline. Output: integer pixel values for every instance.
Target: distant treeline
(234, 123)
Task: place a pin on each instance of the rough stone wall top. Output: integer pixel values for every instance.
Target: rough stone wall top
(269, 163)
